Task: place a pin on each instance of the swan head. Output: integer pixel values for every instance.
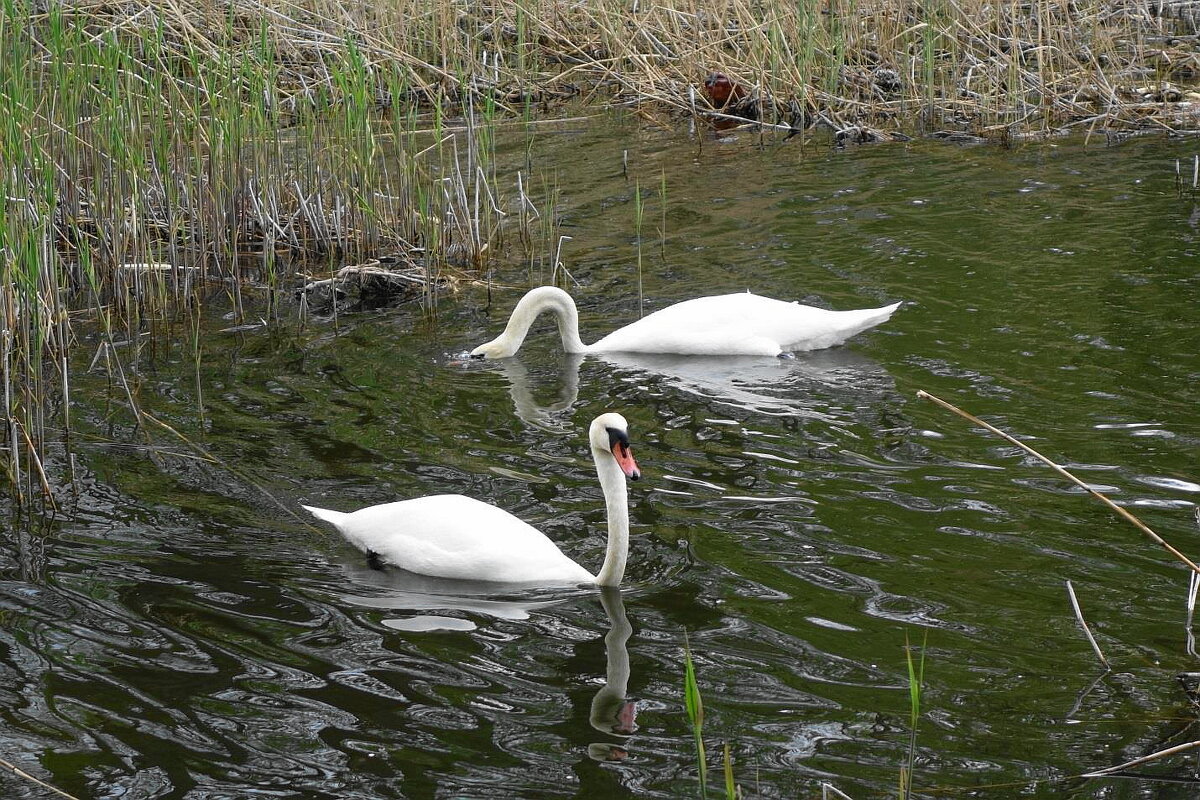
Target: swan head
(499, 347)
(610, 434)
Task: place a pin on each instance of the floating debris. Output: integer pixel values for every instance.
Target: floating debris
(379, 282)
(863, 134)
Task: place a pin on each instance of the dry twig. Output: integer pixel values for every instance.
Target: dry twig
(1061, 471)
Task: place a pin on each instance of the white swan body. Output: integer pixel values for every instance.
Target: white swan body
(452, 536)
(724, 325)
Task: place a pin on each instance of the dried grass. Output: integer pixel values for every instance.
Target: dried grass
(972, 65)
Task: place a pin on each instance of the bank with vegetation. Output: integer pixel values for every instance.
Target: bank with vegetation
(161, 156)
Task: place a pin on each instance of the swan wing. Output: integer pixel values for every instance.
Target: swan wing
(453, 536)
(740, 324)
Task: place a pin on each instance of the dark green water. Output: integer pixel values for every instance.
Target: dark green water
(175, 633)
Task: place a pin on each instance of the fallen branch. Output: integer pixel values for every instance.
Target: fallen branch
(1061, 471)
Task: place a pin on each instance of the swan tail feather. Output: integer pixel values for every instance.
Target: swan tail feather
(841, 326)
(333, 517)
(868, 318)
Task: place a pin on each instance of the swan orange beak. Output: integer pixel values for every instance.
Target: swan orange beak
(624, 457)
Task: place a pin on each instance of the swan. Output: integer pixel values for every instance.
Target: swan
(452, 536)
(723, 325)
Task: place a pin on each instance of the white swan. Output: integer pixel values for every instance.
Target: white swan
(724, 325)
(452, 536)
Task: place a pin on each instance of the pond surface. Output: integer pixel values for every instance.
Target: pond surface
(184, 631)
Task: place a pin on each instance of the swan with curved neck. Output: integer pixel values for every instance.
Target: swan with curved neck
(452, 536)
(723, 325)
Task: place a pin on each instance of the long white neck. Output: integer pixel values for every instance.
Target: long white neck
(616, 501)
(543, 298)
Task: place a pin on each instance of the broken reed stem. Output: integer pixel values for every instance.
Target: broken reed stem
(35, 458)
(1193, 588)
(1137, 762)
(1086, 630)
(1102, 498)
(829, 790)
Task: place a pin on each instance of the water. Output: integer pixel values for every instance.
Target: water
(180, 633)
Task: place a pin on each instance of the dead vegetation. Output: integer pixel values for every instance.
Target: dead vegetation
(985, 68)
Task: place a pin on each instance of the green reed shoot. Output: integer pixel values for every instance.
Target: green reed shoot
(916, 682)
(731, 788)
(695, 710)
(928, 35)
(694, 705)
(549, 228)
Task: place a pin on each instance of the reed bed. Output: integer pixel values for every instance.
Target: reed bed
(159, 155)
(970, 67)
(156, 161)
(924, 66)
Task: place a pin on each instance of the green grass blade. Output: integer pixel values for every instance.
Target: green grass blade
(916, 680)
(695, 711)
(731, 791)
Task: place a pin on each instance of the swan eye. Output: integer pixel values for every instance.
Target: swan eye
(477, 356)
(617, 436)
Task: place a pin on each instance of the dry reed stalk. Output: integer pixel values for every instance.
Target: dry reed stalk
(968, 63)
(1193, 589)
(1123, 513)
(209, 458)
(20, 773)
(1137, 762)
(829, 790)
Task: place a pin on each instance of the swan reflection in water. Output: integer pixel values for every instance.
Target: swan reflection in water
(801, 386)
(401, 590)
(611, 712)
(553, 417)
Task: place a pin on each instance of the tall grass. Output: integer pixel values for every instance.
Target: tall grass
(969, 65)
(157, 163)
